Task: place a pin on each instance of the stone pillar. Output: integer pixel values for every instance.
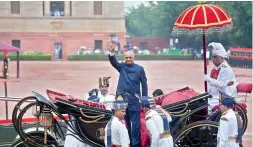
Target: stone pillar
(47, 8)
(66, 8)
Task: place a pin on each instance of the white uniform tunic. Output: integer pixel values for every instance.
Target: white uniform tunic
(154, 123)
(221, 78)
(106, 100)
(119, 133)
(227, 129)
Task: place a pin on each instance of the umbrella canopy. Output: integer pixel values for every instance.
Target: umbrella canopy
(203, 19)
(7, 48)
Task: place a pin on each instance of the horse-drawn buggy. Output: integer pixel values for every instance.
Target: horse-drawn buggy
(191, 125)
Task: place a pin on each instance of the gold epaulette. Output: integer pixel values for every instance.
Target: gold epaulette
(224, 119)
(224, 65)
(147, 118)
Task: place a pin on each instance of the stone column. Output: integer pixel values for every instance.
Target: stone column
(47, 8)
(66, 8)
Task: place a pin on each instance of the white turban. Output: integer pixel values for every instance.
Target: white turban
(218, 49)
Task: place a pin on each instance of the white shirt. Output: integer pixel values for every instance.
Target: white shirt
(119, 133)
(228, 128)
(220, 84)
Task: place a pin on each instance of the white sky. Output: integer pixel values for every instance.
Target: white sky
(132, 3)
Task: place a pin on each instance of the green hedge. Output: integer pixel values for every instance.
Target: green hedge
(30, 56)
(121, 57)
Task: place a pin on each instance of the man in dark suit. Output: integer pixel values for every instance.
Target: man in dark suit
(130, 78)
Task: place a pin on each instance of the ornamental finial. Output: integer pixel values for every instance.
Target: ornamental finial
(202, 2)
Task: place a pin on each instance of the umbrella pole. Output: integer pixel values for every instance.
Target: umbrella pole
(204, 53)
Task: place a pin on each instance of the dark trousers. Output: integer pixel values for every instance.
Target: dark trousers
(133, 116)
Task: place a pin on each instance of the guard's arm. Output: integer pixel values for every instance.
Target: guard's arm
(153, 132)
(124, 137)
(223, 136)
(144, 83)
(114, 62)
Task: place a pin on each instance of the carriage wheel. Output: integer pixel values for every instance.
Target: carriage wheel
(197, 134)
(244, 117)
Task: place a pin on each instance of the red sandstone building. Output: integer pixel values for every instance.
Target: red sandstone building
(50, 26)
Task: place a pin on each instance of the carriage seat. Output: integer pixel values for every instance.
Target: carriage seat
(244, 88)
(243, 105)
(53, 95)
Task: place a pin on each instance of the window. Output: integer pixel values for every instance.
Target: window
(57, 50)
(98, 44)
(57, 8)
(98, 7)
(15, 7)
(16, 43)
(143, 45)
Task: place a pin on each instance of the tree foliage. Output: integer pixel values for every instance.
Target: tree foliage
(158, 20)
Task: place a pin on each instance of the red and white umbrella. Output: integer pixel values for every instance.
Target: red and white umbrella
(202, 19)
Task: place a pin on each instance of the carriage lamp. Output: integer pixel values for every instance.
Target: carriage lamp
(46, 121)
(46, 117)
(36, 113)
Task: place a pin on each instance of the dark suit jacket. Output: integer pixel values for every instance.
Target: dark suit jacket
(130, 77)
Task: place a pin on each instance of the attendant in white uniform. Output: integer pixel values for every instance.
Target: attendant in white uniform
(228, 128)
(221, 78)
(115, 131)
(157, 123)
(103, 95)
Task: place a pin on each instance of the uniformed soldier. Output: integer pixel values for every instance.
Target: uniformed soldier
(115, 130)
(222, 78)
(228, 128)
(157, 123)
(157, 92)
(5, 65)
(93, 95)
(102, 94)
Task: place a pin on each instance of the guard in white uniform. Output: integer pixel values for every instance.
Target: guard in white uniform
(228, 128)
(157, 122)
(221, 78)
(102, 95)
(115, 130)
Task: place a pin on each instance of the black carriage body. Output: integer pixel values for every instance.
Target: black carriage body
(89, 122)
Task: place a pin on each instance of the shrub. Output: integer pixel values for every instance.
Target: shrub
(121, 57)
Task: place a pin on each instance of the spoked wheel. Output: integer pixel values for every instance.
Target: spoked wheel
(19, 143)
(30, 139)
(243, 116)
(197, 134)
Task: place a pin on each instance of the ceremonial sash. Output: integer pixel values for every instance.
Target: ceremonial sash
(109, 133)
(166, 125)
(215, 73)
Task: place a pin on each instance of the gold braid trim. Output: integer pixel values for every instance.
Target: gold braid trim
(92, 121)
(92, 117)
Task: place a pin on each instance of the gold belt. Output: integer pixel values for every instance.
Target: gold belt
(164, 135)
(231, 139)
